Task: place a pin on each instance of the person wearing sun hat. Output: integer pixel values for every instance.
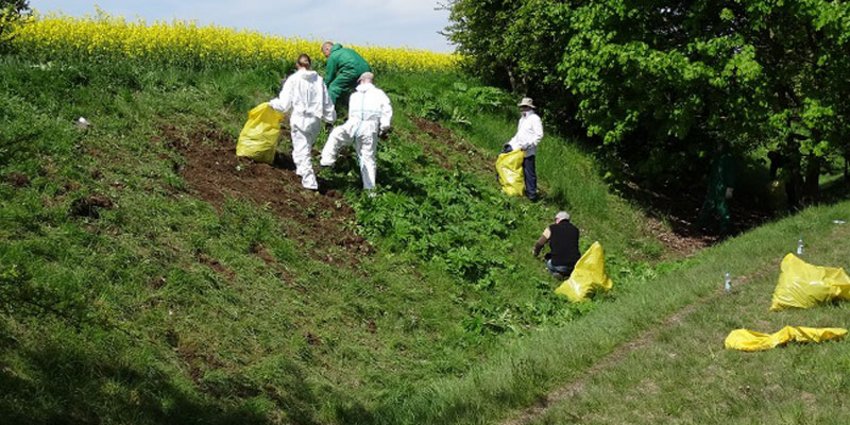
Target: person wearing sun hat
(562, 237)
(528, 136)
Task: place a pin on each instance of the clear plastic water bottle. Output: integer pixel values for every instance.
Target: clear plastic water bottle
(727, 282)
(800, 246)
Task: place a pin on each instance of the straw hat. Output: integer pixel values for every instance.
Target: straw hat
(526, 101)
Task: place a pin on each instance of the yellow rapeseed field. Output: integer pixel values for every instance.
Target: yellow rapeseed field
(105, 37)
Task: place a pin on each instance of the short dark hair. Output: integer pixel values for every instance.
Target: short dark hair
(304, 60)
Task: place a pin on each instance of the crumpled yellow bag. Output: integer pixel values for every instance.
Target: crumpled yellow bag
(509, 168)
(803, 285)
(258, 139)
(747, 340)
(589, 274)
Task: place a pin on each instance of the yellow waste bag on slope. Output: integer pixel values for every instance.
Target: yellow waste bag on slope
(589, 274)
(746, 340)
(509, 167)
(258, 139)
(803, 285)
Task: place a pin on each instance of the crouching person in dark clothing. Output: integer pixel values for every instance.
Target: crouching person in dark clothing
(563, 246)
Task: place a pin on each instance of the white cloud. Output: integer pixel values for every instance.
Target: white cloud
(412, 23)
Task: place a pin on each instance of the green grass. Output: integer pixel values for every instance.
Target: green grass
(120, 318)
(531, 367)
(683, 374)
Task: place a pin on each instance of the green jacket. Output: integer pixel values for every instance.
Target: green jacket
(344, 64)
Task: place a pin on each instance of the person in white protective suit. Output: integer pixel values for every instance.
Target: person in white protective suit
(369, 116)
(305, 98)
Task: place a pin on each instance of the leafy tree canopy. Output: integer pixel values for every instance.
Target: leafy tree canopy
(661, 84)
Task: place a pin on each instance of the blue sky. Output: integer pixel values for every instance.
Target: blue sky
(411, 23)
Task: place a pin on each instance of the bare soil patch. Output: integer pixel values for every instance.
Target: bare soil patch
(443, 141)
(681, 209)
(18, 180)
(319, 221)
(216, 266)
(90, 206)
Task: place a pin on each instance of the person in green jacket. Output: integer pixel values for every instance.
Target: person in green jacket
(721, 184)
(343, 69)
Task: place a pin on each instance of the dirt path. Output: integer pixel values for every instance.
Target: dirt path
(571, 389)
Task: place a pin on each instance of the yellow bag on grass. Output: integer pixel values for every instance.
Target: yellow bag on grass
(509, 167)
(747, 340)
(589, 274)
(258, 139)
(803, 285)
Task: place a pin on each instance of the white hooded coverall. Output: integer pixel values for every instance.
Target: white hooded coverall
(305, 97)
(369, 113)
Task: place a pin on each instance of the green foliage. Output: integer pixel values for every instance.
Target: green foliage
(456, 105)
(514, 44)
(169, 291)
(677, 318)
(11, 13)
(662, 84)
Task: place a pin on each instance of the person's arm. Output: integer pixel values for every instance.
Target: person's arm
(386, 113)
(283, 102)
(514, 142)
(328, 109)
(537, 130)
(538, 246)
(331, 70)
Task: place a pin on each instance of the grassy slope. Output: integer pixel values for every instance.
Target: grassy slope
(533, 367)
(119, 319)
(139, 330)
(683, 374)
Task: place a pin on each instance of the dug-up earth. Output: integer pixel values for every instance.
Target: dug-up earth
(321, 221)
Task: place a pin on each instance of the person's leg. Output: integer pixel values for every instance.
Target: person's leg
(338, 138)
(558, 272)
(529, 171)
(303, 135)
(340, 90)
(567, 271)
(366, 147)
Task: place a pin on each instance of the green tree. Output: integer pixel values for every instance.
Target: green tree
(517, 45)
(662, 84)
(11, 12)
(477, 28)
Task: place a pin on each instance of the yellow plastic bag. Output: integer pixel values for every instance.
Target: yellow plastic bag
(803, 285)
(746, 340)
(258, 139)
(509, 167)
(589, 274)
